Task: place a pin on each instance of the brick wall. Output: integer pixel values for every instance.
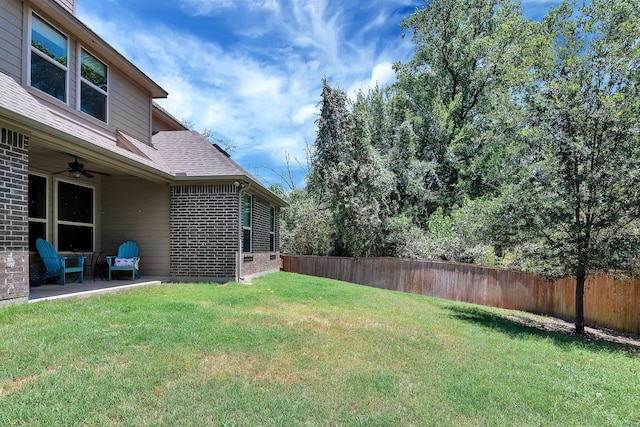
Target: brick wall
(260, 226)
(260, 263)
(261, 259)
(204, 232)
(14, 193)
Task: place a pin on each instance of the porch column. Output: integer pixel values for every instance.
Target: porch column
(14, 226)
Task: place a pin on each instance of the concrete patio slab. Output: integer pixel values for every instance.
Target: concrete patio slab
(89, 287)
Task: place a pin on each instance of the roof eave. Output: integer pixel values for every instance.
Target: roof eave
(256, 186)
(167, 115)
(60, 140)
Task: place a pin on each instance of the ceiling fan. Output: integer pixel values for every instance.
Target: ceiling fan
(77, 170)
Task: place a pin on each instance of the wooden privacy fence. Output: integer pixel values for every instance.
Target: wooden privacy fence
(608, 302)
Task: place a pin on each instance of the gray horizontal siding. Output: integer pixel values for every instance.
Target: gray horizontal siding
(133, 209)
(130, 107)
(67, 4)
(11, 38)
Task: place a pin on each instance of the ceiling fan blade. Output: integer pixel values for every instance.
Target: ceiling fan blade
(86, 173)
(98, 172)
(56, 173)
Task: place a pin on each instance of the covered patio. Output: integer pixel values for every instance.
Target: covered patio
(92, 215)
(51, 291)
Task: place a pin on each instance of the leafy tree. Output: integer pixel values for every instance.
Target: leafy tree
(410, 197)
(226, 144)
(305, 229)
(464, 234)
(467, 53)
(580, 201)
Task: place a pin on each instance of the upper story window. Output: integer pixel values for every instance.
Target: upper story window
(49, 56)
(93, 86)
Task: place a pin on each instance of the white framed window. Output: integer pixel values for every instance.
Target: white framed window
(94, 86)
(75, 216)
(48, 62)
(38, 208)
(272, 229)
(246, 223)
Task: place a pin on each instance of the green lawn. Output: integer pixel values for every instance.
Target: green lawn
(297, 350)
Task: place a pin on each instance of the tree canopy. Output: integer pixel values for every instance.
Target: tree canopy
(504, 142)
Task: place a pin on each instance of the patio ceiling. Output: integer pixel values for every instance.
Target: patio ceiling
(47, 160)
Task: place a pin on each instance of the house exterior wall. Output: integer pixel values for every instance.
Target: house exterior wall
(258, 263)
(14, 191)
(51, 218)
(11, 31)
(261, 259)
(69, 5)
(130, 107)
(138, 210)
(185, 231)
(204, 232)
(260, 236)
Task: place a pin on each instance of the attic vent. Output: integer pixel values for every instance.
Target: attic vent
(14, 139)
(221, 150)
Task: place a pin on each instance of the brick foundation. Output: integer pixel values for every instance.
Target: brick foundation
(260, 263)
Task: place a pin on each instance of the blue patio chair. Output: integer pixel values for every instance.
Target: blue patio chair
(56, 265)
(126, 260)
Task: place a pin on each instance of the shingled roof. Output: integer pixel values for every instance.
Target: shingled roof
(190, 156)
(188, 153)
(173, 155)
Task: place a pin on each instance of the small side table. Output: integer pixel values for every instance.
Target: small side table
(92, 258)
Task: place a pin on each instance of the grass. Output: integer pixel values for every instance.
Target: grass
(297, 350)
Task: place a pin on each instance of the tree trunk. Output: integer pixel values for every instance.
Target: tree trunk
(580, 279)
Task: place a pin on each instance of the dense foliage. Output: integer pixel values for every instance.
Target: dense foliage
(504, 141)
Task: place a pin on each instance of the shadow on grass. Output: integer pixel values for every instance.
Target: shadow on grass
(562, 333)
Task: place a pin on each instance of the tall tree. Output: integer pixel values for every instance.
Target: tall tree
(467, 53)
(348, 177)
(409, 197)
(582, 195)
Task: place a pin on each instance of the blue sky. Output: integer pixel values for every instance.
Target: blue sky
(251, 70)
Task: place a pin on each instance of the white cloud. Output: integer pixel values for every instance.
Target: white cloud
(209, 7)
(206, 7)
(383, 74)
(304, 113)
(262, 92)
